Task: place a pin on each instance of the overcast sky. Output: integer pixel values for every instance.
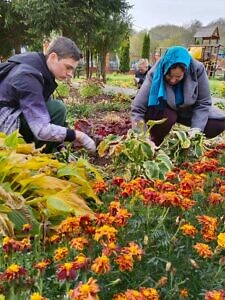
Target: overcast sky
(149, 13)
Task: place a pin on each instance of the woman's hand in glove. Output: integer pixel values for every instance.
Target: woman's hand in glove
(84, 140)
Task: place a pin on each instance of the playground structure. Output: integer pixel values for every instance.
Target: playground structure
(206, 48)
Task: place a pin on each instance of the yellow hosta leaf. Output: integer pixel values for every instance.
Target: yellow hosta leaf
(47, 185)
(25, 148)
(38, 162)
(84, 185)
(68, 203)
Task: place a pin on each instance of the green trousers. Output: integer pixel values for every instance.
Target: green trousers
(57, 111)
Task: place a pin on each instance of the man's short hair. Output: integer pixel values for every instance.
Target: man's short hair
(142, 61)
(64, 48)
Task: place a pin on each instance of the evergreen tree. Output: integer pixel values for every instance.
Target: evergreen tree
(146, 47)
(125, 54)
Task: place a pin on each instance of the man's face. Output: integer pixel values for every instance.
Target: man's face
(143, 68)
(62, 69)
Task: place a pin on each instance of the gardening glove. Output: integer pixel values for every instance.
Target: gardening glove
(84, 140)
(193, 131)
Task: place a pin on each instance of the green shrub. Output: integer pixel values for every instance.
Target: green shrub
(90, 88)
(222, 89)
(62, 90)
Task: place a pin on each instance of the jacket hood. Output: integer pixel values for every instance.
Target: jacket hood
(36, 60)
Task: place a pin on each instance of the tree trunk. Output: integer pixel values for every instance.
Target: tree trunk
(103, 62)
(87, 63)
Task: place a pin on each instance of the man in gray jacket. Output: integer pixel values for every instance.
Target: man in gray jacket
(177, 88)
(26, 84)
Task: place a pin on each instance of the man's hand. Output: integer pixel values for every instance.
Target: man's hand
(84, 140)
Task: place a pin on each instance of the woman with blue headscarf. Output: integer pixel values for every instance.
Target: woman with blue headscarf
(177, 89)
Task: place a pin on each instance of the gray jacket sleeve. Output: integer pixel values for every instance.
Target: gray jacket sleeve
(32, 104)
(140, 103)
(203, 102)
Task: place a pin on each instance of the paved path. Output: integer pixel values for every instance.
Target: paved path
(108, 89)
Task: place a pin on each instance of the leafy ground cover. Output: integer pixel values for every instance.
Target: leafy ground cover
(132, 223)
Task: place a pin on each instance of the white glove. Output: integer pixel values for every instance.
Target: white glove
(193, 131)
(83, 139)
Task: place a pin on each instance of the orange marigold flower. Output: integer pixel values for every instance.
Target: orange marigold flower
(110, 248)
(222, 189)
(150, 196)
(25, 244)
(188, 229)
(8, 243)
(117, 181)
(203, 250)
(81, 261)
(60, 253)
(209, 227)
(106, 231)
(42, 265)
(215, 198)
(149, 293)
(55, 238)
(101, 265)
(134, 250)
(103, 219)
(86, 225)
(171, 175)
(221, 171)
(119, 296)
(208, 222)
(162, 281)
(70, 225)
(215, 295)
(114, 206)
(26, 227)
(208, 234)
(13, 272)
(187, 203)
(79, 243)
(212, 153)
(121, 217)
(85, 291)
(66, 271)
(221, 240)
(125, 262)
(134, 295)
(169, 199)
(168, 186)
(100, 187)
(37, 296)
(205, 166)
(184, 293)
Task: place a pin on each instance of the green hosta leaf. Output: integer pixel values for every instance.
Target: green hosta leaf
(21, 217)
(164, 159)
(151, 169)
(183, 138)
(152, 123)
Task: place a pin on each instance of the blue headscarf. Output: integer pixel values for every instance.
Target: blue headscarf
(172, 56)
